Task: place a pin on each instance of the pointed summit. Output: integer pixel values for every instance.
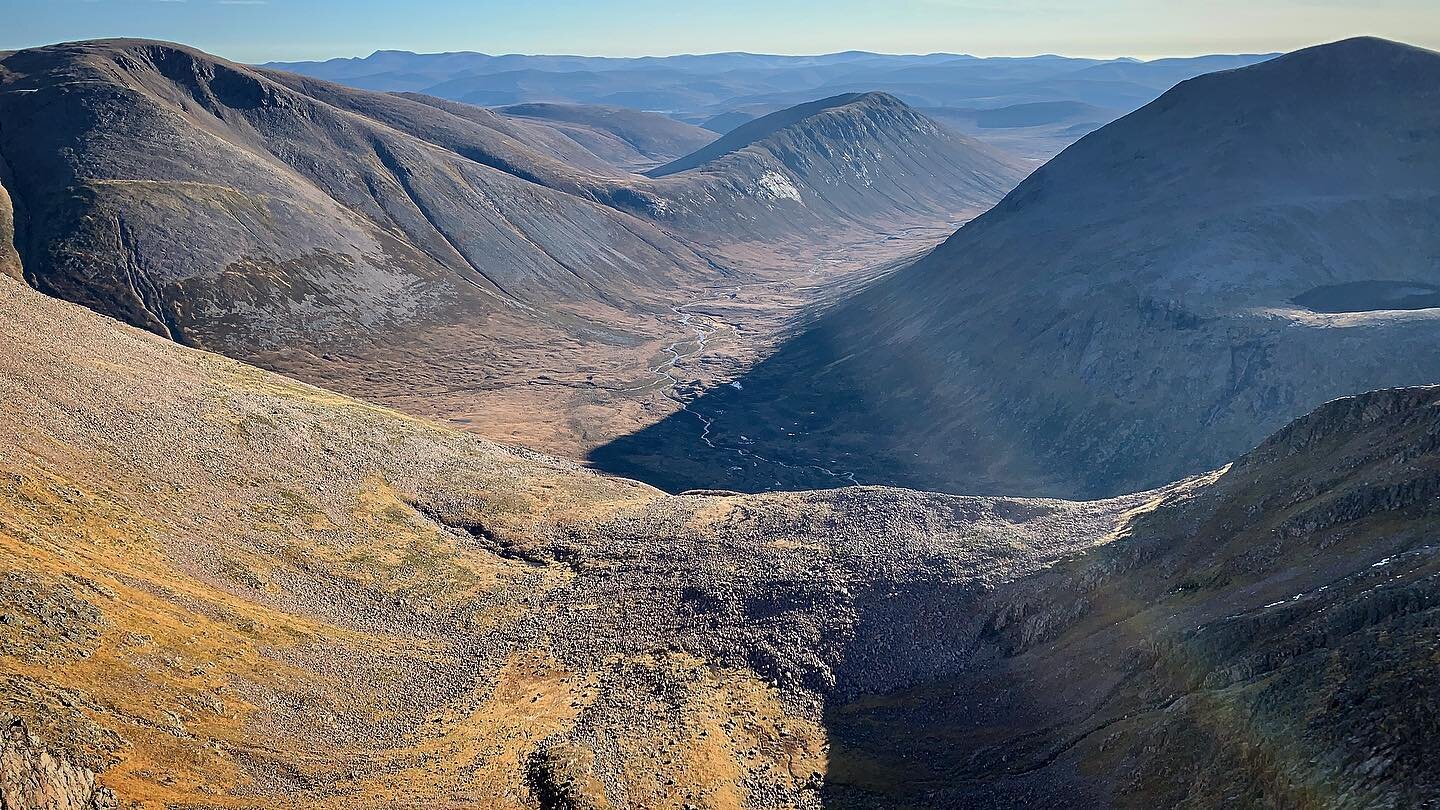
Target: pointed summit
(768, 126)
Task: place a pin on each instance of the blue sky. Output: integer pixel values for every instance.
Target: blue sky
(258, 30)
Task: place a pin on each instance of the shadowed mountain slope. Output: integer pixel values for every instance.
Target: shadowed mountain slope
(628, 138)
(1149, 303)
(206, 570)
(724, 122)
(1037, 131)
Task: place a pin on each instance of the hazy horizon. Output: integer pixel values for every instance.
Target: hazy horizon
(246, 30)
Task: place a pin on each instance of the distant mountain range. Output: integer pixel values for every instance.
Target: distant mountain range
(721, 91)
(1150, 303)
(691, 85)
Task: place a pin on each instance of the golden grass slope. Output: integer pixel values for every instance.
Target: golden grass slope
(220, 588)
(218, 592)
(229, 594)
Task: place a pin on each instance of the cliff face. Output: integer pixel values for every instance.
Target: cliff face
(9, 256)
(1248, 641)
(34, 778)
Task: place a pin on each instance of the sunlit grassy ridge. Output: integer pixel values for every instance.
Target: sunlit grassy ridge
(278, 597)
(260, 594)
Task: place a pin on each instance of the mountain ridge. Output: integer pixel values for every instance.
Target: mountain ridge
(761, 128)
(698, 89)
(843, 161)
(1154, 332)
(450, 260)
(652, 138)
(222, 105)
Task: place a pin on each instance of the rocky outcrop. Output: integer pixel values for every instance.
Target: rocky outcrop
(1227, 650)
(34, 778)
(9, 254)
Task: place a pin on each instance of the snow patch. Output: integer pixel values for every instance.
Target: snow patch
(776, 186)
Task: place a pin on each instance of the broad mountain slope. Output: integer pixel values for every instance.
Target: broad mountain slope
(490, 269)
(376, 209)
(222, 588)
(1151, 302)
(850, 160)
(216, 204)
(627, 138)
